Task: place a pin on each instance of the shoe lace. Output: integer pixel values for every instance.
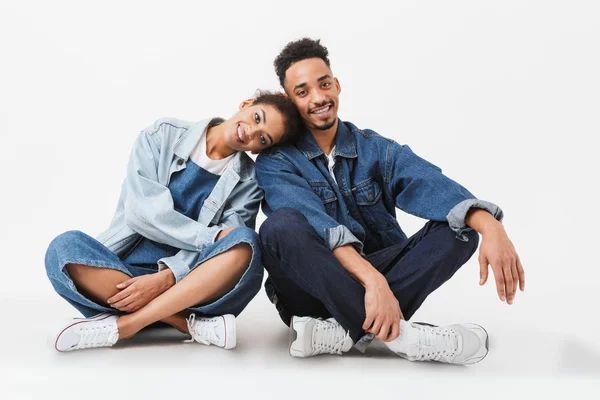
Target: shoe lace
(96, 335)
(436, 343)
(202, 330)
(328, 337)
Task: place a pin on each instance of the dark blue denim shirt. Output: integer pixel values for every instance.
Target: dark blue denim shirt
(374, 175)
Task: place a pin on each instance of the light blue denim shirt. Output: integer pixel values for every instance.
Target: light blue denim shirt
(145, 206)
(374, 175)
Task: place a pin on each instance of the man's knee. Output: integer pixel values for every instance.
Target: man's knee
(461, 250)
(282, 223)
(473, 240)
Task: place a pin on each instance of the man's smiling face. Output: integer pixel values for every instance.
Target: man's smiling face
(315, 91)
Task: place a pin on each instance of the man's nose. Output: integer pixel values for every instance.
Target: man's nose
(318, 98)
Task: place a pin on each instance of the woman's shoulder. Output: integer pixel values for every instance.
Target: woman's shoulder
(168, 126)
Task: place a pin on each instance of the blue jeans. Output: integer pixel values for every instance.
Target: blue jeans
(306, 279)
(74, 247)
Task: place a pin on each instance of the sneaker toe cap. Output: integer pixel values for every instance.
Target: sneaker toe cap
(475, 343)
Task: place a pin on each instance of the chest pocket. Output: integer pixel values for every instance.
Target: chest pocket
(367, 196)
(327, 196)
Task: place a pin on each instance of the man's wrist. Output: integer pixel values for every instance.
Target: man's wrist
(482, 221)
(373, 279)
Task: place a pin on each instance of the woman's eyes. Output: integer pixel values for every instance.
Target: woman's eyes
(257, 118)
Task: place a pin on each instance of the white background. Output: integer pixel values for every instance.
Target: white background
(502, 95)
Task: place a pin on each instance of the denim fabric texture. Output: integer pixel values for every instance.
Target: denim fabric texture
(305, 278)
(75, 247)
(146, 206)
(374, 175)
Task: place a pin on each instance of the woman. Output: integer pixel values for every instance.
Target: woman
(181, 248)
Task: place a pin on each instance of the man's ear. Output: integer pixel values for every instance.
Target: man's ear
(337, 84)
(246, 103)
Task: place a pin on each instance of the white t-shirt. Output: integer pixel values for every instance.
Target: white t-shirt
(331, 163)
(199, 157)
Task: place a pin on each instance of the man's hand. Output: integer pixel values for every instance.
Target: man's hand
(497, 249)
(382, 309)
(136, 292)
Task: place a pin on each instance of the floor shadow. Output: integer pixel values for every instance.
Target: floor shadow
(577, 358)
(154, 335)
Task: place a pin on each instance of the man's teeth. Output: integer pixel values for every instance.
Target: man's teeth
(322, 110)
(239, 132)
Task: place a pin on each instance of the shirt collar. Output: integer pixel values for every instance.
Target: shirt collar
(241, 163)
(344, 143)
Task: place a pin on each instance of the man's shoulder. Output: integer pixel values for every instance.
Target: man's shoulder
(365, 133)
(279, 152)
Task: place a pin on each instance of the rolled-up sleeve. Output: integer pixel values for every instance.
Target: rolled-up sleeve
(420, 188)
(457, 216)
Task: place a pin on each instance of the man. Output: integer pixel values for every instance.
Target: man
(340, 268)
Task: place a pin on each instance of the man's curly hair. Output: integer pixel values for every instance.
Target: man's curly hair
(298, 51)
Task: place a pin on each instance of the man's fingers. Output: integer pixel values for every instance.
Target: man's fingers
(384, 331)
(521, 273)
(515, 275)
(368, 322)
(376, 327)
(395, 331)
(483, 270)
(508, 281)
(500, 285)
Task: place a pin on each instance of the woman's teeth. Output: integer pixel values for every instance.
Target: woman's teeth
(239, 132)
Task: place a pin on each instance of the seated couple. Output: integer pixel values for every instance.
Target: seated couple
(181, 247)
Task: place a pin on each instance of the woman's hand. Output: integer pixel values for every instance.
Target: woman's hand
(136, 292)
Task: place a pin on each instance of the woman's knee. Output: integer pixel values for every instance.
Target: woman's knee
(58, 246)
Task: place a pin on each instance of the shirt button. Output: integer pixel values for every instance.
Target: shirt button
(179, 162)
(371, 196)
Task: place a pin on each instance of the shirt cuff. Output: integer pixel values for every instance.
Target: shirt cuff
(456, 217)
(179, 268)
(207, 237)
(341, 236)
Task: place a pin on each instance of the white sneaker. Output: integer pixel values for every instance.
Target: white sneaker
(83, 333)
(313, 336)
(219, 331)
(453, 344)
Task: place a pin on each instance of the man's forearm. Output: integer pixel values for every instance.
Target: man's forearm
(357, 266)
(481, 220)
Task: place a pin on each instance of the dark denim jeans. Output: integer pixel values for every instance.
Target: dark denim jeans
(305, 278)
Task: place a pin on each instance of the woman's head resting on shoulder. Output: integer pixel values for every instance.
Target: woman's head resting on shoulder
(262, 122)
